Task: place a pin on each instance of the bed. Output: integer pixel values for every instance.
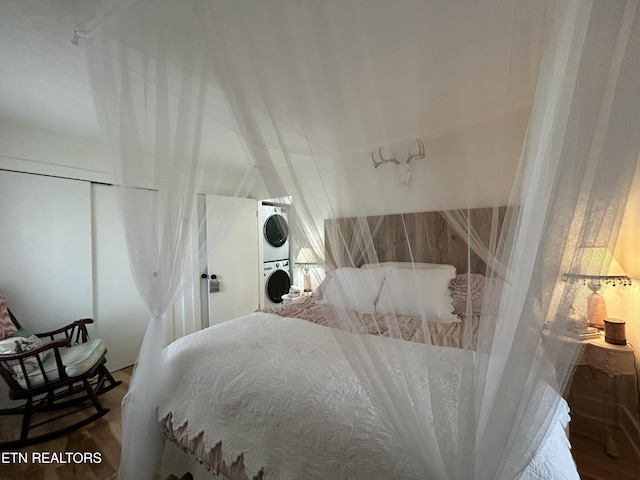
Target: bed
(277, 395)
(272, 396)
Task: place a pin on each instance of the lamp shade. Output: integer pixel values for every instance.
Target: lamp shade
(306, 256)
(598, 261)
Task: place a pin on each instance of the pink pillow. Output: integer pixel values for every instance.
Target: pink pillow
(7, 328)
(467, 287)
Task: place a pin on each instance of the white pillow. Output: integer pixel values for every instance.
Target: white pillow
(418, 293)
(409, 265)
(354, 288)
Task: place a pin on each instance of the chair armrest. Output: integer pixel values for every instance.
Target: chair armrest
(76, 329)
(6, 357)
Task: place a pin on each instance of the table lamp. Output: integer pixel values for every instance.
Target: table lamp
(597, 266)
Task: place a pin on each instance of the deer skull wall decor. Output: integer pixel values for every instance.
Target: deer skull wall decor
(404, 168)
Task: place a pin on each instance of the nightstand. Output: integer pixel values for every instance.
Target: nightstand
(614, 361)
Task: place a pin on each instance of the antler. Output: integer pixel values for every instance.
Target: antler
(418, 155)
(393, 159)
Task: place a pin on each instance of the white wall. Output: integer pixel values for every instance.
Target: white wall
(25, 149)
(491, 150)
(471, 168)
(45, 249)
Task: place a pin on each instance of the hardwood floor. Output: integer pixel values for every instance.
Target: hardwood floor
(588, 442)
(104, 437)
(101, 438)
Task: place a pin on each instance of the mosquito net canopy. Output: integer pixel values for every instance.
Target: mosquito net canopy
(517, 122)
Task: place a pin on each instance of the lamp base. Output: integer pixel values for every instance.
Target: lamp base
(596, 310)
(307, 282)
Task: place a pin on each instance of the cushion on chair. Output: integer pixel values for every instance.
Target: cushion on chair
(7, 328)
(33, 340)
(22, 341)
(77, 361)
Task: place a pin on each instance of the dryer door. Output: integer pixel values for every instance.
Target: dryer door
(276, 230)
(277, 285)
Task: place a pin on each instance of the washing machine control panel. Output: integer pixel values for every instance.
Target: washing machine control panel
(281, 264)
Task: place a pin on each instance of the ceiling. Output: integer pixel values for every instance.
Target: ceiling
(44, 81)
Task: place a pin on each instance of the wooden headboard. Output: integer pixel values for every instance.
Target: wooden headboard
(421, 237)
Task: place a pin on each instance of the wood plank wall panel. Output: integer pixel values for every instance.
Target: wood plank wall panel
(419, 237)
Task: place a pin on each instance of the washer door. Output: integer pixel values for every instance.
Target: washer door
(276, 230)
(278, 284)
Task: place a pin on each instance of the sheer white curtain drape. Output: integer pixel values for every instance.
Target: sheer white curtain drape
(151, 100)
(517, 103)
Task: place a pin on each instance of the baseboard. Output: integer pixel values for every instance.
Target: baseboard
(631, 428)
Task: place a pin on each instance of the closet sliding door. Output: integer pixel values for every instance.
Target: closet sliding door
(45, 248)
(121, 315)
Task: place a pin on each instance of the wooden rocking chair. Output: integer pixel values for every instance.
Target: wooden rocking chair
(68, 369)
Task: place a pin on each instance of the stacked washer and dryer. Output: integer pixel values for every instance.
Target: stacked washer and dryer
(275, 248)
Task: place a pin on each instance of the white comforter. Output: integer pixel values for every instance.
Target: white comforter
(280, 392)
